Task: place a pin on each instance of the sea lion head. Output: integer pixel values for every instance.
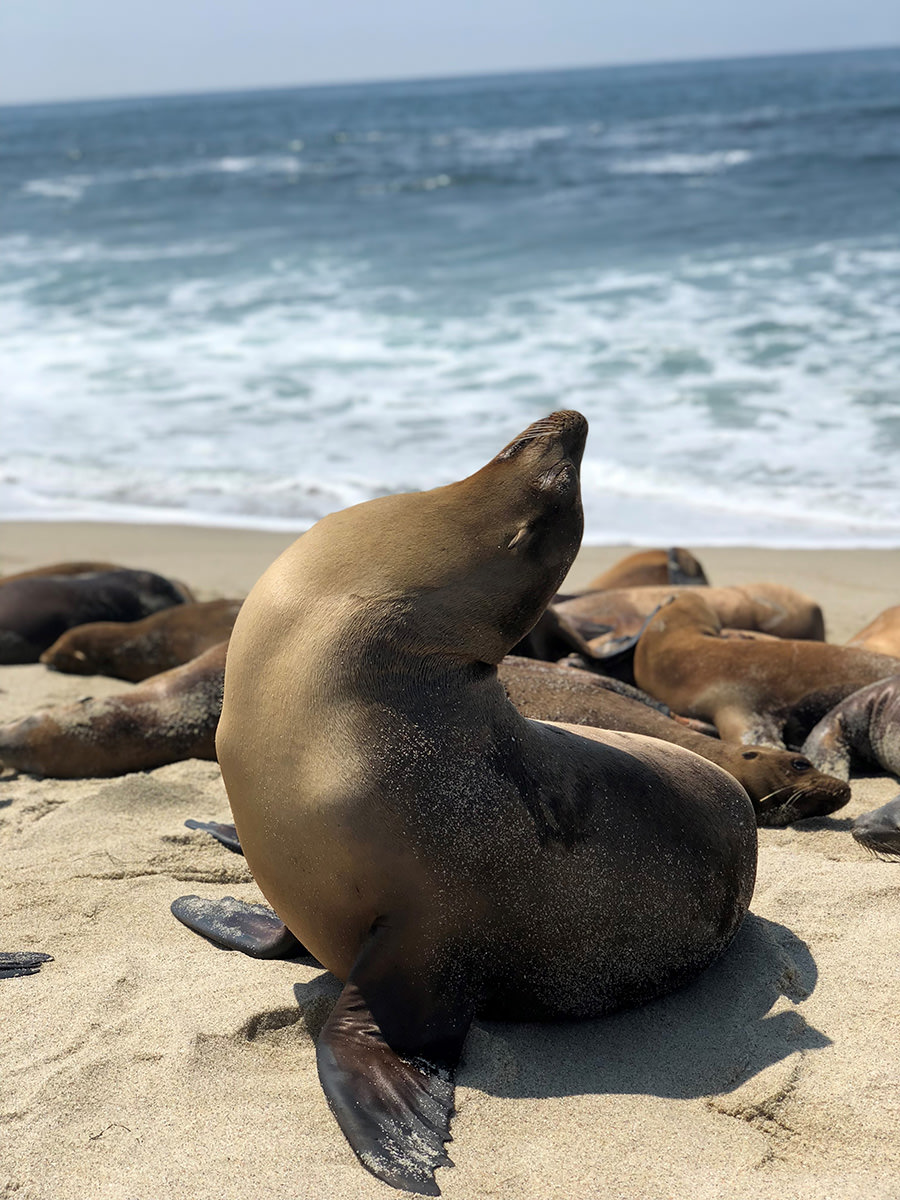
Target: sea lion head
(785, 786)
(462, 571)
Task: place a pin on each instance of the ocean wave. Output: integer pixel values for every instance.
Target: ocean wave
(682, 164)
(744, 396)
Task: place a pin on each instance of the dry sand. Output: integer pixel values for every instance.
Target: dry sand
(145, 1064)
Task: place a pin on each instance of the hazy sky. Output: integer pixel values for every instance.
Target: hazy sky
(67, 49)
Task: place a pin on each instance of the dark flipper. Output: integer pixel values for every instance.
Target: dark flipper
(684, 569)
(226, 834)
(252, 928)
(879, 830)
(22, 962)
(394, 1111)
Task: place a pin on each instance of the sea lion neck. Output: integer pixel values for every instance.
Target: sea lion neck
(470, 566)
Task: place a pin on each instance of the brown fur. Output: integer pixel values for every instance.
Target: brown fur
(135, 650)
(647, 568)
(783, 786)
(747, 688)
(765, 607)
(881, 636)
(168, 718)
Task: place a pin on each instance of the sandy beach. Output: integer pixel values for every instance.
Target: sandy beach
(143, 1063)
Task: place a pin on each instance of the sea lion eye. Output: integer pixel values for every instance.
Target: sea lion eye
(750, 754)
(801, 764)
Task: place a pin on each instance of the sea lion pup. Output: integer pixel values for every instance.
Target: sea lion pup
(865, 726)
(135, 650)
(881, 636)
(766, 607)
(434, 849)
(165, 719)
(748, 688)
(647, 568)
(879, 830)
(34, 612)
(782, 785)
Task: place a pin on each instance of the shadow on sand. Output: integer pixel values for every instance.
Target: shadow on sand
(708, 1038)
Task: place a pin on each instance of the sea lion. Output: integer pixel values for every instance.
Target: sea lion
(63, 568)
(879, 830)
(866, 726)
(434, 849)
(881, 636)
(749, 688)
(647, 568)
(553, 637)
(165, 719)
(615, 616)
(135, 650)
(784, 786)
(34, 612)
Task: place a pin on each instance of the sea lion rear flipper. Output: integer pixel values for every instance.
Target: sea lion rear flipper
(226, 834)
(684, 569)
(22, 962)
(251, 928)
(394, 1111)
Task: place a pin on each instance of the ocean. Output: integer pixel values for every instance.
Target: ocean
(251, 309)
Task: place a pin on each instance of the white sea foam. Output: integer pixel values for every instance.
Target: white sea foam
(682, 164)
(731, 399)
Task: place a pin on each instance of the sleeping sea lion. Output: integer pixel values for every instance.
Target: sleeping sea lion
(749, 688)
(35, 611)
(165, 719)
(434, 849)
(135, 650)
(647, 568)
(63, 568)
(784, 786)
(881, 636)
(767, 607)
(865, 726)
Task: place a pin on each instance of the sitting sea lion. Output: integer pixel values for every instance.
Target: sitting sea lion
(34, 612)
(165, 719)
(750, 688)
(647, 568)
(866, 726)
(616, 616)
(433, 848)
(783, 786)
(879, 830)
(881, 636)
(135, 650)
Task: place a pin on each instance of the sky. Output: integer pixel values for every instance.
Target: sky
(82, 49)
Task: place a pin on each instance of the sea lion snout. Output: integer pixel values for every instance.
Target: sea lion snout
(567, 426)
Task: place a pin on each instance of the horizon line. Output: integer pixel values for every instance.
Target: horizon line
(443, 78)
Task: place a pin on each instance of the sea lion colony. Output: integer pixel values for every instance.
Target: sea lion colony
(423, 638)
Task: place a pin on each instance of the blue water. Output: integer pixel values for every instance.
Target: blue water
(255, 308)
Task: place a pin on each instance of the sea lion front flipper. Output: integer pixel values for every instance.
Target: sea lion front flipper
(16, 963)
(251, 928)
(394, 1111)
(226, 834)
(828, 746)
(879, 830)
